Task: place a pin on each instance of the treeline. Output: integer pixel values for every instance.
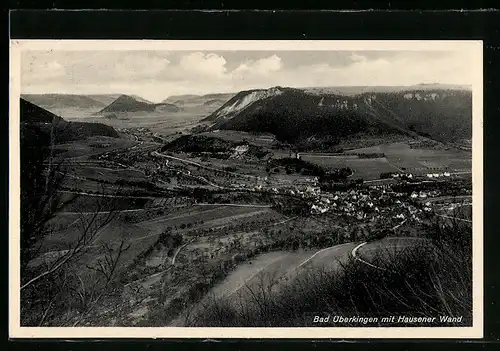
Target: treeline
(199, 143)
(208, 146)
(337, 175)
(295, 165)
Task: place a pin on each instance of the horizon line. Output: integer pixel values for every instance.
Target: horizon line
(235, 92)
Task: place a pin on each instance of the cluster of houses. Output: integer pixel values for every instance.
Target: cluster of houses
(402, 175)
(374, 203)
(438, 175)
(418, 96)
(425, 194)
(377, 201)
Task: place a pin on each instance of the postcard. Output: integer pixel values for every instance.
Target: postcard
(245, 189)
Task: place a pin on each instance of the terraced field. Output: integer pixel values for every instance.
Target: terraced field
(107, 174)
(207, 217)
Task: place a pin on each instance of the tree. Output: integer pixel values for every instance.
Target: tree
(48, 281)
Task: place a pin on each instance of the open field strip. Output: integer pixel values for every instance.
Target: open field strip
(155, 227)
(366, 168)
(214, 214)
(116, 211)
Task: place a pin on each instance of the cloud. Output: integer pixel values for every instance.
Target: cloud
(156, 75)
(259, 67)
(398, 70)
(41, 70)
(140, 68)
(205, 64)
(357, 58)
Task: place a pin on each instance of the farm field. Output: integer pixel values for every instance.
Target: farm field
(92, 146)
(110, 233)
(82, 184)
(421, 160)
(107, 174)
(365, 168)
(206, 217)
(256, 169)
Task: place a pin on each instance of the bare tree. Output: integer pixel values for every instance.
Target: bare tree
(105, 269)
(47, 277)
(91, 224)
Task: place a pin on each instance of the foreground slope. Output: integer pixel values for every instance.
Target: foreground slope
(296, 115)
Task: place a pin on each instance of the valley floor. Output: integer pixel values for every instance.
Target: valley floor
(201, 228)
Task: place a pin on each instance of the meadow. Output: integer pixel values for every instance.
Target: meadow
(364, 168)
(421, 161)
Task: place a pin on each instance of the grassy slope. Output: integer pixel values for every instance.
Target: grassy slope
(427, 281)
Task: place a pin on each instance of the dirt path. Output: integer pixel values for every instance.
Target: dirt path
(365, 251)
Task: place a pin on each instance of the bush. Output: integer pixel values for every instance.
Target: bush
(386, 175)
(170, 240)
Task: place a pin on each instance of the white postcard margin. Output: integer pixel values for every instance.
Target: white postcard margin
(474, 48)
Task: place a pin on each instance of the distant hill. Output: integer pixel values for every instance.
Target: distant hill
(71, 105)
(141, 99)
(127, 103)
(192, 101)
(179, 99)
(297, 115)
(31, 113)
(38, 121)
(63, 100)
(356, 90)
(104, 99)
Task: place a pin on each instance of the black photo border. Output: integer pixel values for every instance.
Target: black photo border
(291, 25)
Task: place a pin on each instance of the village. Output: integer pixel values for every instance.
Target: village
(395, 198)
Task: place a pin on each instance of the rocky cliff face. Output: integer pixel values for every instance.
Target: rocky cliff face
(291, 114)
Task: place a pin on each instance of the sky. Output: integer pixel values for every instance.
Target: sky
(156, 75)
